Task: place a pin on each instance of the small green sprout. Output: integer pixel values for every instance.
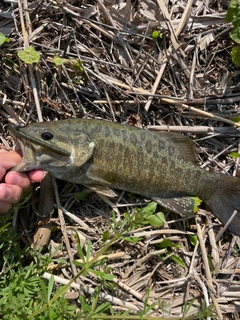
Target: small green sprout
(156, 35)
(234, 155)
(3, 39)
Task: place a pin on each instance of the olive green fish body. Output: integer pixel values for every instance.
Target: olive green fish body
(145, 162)
(102, 154)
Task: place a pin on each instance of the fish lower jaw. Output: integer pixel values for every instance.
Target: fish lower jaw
(24, 167)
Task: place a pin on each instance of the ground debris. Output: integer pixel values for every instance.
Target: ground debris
(113, 69)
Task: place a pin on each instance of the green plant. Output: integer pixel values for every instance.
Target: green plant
(138, 218)
(157, 35)
(3, 39)
(203, 312)
(233, 16)
(169, 245)
(29, 55)
(22, 289)
(24, 294)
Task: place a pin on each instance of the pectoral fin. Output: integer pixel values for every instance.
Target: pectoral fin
(102, 175)
(181, 205)
(84, 150)
(102, 190)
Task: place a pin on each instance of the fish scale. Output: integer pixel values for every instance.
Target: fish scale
(103, 155)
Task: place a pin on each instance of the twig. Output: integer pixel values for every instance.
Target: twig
(163, 9)
(88, 290)
(204, 130)
(203, 113)
(63, 228)
(204, 255)
(74, 218)
(184, 18)
(26, 44)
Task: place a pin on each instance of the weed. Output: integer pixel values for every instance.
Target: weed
(233, 15)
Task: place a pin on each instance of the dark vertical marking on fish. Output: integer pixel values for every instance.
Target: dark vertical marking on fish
(142, 136)
(112, 146)
(161, 145)
(148, 145)
(124, 135)
(116, 132)
(133, 138)
(155, 154)
(171, 150)
(164, 159)
(172, 163)
(107, 132)
(180, 171)
(96, 130)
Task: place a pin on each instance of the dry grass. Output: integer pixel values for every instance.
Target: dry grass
(185, 82)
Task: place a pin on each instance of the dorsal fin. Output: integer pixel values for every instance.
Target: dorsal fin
(184, 144)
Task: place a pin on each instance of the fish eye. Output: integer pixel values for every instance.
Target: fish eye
(47, 135)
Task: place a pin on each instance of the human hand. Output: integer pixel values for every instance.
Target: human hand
(13, 183)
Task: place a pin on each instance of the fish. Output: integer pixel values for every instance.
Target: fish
(105, 155)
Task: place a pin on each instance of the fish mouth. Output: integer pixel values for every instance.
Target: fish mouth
(29, 156)
(31, 149)
(19, 135)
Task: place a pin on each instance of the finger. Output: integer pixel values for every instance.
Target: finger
(36, 175)
(10, 193)
(18, 179)
(9, 159)
(4, 207)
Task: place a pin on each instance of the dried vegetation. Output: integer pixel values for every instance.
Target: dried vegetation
(184, 82)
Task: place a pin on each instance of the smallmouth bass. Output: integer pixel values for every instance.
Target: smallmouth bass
(103, 155)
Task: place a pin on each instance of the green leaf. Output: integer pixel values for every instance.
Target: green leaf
(103, 275)
(3, 38)
(76, 65)
(236, 119)
(104, 306)
(167, 243)
(80, 252)
(156, 35)
(50, 287)
(193, 240)
(211, 265)
(150, 208)
(156, 220)
(88, 250)
(132, 195)
(197, 203)
(105, 236)
(100, 262)
(235, 54)
(177, 260)
(235, 34)
(79, 264)
(234, 155)
(80, 195)
(132, 239)
(233, 11)
(29, 55)
(59, 61)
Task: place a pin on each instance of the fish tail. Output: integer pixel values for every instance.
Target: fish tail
(225, 200)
